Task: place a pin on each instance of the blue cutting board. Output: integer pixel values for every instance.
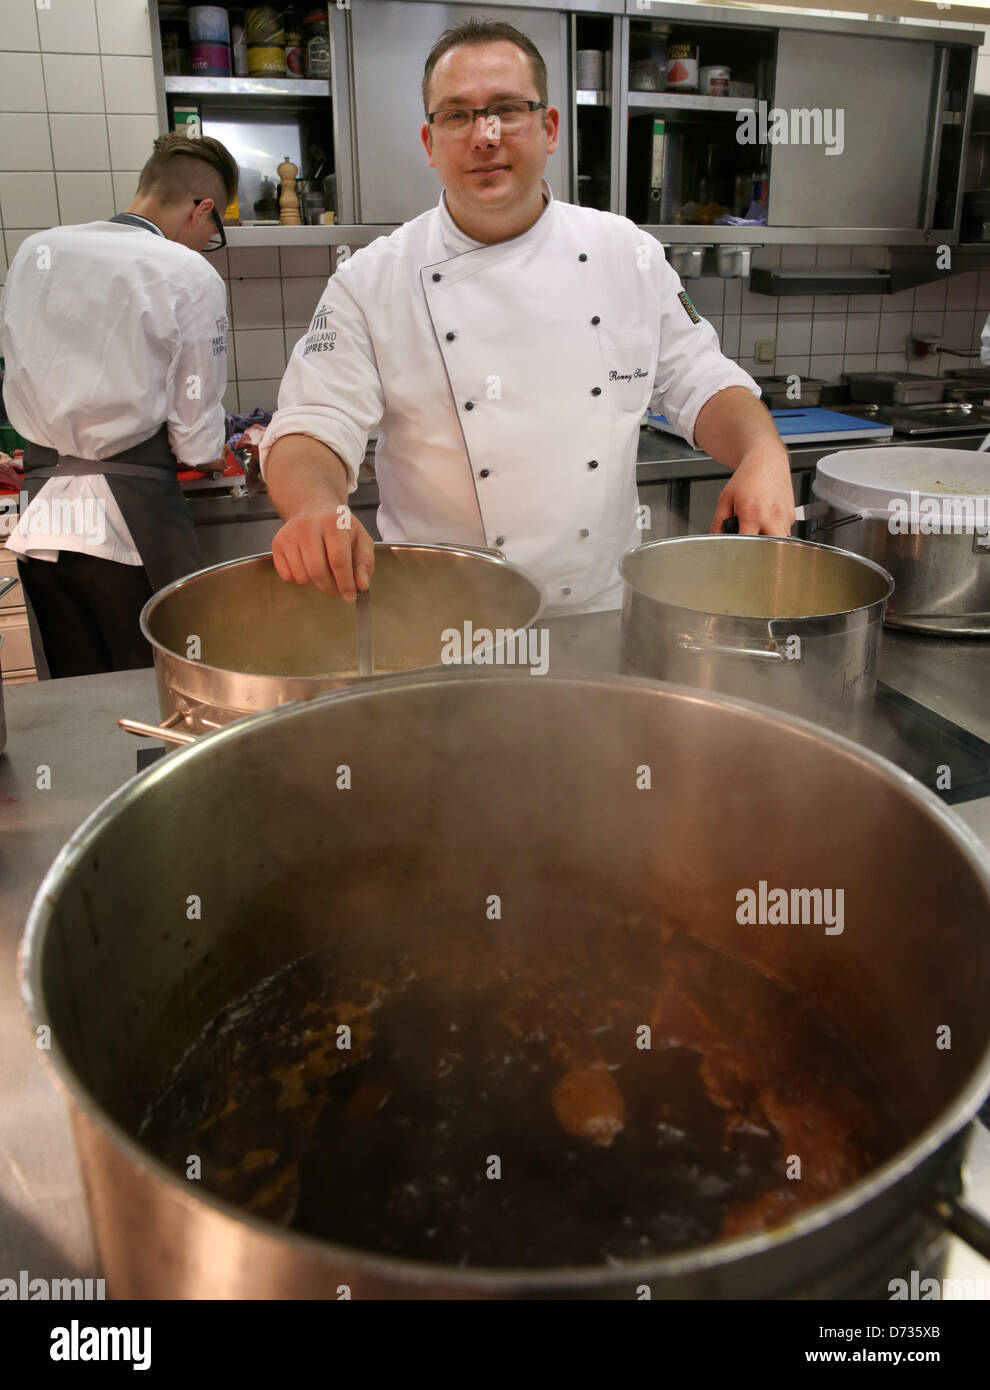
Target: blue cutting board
(811, 426)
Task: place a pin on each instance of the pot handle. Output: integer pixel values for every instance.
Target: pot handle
(165, 731)
(811, 511)
(961, 1213)
(487, 550)
(688, 644)
(842, 521)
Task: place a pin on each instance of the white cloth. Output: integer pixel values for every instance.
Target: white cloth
(74, 513)
(508, 383)
(108, 332)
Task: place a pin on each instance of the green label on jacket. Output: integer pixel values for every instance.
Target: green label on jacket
(689, 308)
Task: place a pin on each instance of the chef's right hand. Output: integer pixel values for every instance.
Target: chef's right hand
(322, 542)
(326, 547)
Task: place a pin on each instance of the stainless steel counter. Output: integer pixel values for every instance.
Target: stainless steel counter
(69, 727)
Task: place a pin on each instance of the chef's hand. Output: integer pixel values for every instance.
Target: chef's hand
(322, 542)
(313, 547)
(735, 428)
(759, 493)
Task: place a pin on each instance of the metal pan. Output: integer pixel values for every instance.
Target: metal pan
(235, 639)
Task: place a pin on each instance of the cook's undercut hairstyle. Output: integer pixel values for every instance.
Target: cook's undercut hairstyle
(479, 31)
(183, 168)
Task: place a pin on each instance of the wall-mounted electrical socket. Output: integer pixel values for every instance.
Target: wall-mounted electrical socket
(923, 344)
(766, 351)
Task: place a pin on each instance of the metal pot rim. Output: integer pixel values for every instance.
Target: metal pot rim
(466, 551)
(949, 1122)
(688, 614)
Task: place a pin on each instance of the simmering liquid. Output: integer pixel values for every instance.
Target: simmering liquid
(637, 1094)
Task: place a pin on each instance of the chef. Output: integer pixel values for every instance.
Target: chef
(114, 335)
(506, 345)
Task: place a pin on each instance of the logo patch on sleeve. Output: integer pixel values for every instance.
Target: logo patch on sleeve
(689, 308)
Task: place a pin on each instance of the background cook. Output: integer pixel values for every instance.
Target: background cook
(506, 345)
(114, 335)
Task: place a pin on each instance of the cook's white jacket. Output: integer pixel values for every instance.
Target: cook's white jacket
(508, 383)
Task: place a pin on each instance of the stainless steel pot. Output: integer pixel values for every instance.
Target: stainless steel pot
(942, 577)
(784, 622)
(942, 582)
(525, 787)
(234, 639)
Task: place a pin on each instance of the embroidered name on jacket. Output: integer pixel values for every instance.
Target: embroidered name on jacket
(627, 376)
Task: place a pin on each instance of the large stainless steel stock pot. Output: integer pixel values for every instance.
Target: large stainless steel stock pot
(581, 805)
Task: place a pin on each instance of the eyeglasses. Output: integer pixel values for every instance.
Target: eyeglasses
(501, 116)
(219, 238)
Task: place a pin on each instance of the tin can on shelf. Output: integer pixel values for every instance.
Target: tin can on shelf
(266, 41)
(292, 25)
(590, 69)
(175, 43)
(238, 44)
(714, 81)
(208, 24)
(211, 59)
(682, 67)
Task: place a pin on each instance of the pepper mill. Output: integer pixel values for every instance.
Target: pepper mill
(288, 203)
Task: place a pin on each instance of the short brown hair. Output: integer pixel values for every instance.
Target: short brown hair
(185, 167)
(478, 31)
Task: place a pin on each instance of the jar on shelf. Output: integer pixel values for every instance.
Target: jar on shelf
(644, 76)
(316, 44)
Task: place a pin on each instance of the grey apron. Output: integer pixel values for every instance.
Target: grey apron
(144, 484)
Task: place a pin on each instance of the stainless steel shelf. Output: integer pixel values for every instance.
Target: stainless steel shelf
(295, 87)
(340, 234)
(687, 101)
(849, 280)
(910, 237)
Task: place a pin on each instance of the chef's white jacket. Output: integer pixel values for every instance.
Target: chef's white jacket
(109, 330)
(508, 383)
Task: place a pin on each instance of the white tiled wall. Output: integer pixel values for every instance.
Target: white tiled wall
(271, 293)
(826, 335)
(77, 112)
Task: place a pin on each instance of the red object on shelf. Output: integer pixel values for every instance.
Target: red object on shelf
(231, 469)
(15, 462)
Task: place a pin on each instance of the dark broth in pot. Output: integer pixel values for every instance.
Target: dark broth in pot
(636, 1094)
